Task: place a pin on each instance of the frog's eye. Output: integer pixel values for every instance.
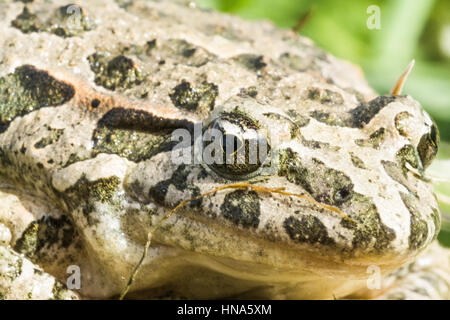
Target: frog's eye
(234, 146)
(428, 145)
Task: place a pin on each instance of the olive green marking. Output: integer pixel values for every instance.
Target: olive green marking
(73, 158)
(54, 136)
(242, 208)
(325, 96)
(66, 21)
(134, 134)
(369, 233)
(428, 146)
(179, 181)
(251, 91)
(251, 61)
(361, 115)
(44, 233)
(332, 187)
(400, 121)
(308, 229)
(185, 52)
(396, 172)
(119, 72)
(29, 89)
(418, 227)
(355, 118)
(407, 154)
(202, 97)
(357, 162)
(374, 140)
(325, 185)
(329, 118)
(312, 144)
(299, 119)
(99, 190)
(133, 145)
(27, 22)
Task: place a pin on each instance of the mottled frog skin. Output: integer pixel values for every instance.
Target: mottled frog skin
(89, 98)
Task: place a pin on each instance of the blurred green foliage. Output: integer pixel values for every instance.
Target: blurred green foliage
(418, 29)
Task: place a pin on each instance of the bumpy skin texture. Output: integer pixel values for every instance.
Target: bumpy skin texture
(87, 112)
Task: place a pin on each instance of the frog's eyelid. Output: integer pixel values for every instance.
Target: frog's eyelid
(397, 90)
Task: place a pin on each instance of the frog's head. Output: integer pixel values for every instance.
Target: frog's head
(367, 161)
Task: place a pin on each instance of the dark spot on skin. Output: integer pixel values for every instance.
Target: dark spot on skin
(307, 229)
(116, 72)
(149, 46)
(184, 52)
(362, 114)
(374, 141)
(332, 187)
(396, 172)
(242, 208)
(101, 190)
(249, 92)
(312, 144)
(135, 134)
(428, 146)
(325, 185)
(87, 195)
(355, 118)
(27, 22)
(179, 181)
(251, 61)
(369, 233)
(202, 97)
(95, 103)
(418, 227)
(29, 89)
(357, 162)
(325, 96)
(407, 154)
(300, 120)
(43, 234)
(54, 135)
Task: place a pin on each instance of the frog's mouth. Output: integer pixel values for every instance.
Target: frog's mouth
(215, 260)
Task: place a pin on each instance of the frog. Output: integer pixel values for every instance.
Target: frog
(95, 99)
